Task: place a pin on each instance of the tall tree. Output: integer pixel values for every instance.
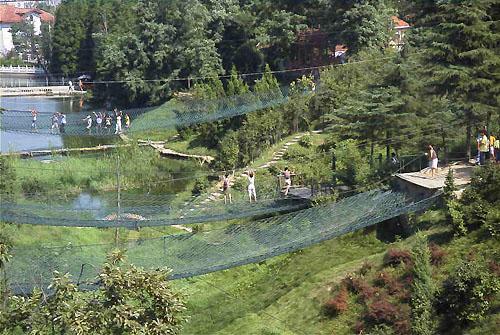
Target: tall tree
(460, 58)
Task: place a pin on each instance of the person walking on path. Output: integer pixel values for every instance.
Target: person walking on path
(34, 114)
(483, 148)
(251, 186)
(433, 160)
(287, 174)
(226, 189)
(70, 86)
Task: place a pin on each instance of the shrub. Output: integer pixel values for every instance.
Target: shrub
(456, 218)
(365, 268)
(475, 214)
(494, 268)
(359, 285)
(381, 330)
(395, 257)
(33, 185)
(306, 141)
(338, 304)
(492, 223)
(382, 311)
(466, 294)
(437, 254)
(200, 185)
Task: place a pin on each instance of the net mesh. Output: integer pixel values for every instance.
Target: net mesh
(203, 252)
(170, 115)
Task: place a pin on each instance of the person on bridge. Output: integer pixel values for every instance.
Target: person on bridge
(226, 189)
(127, 121)
(98, 121)
(251, 186)
(433, 160)
(34, 114)
(89, 123)
(108, 122)
(62, 123)
(55, 123)
(287, 174)
(118, 126)
(496, 145)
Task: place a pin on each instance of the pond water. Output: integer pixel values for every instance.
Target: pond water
(17, 119)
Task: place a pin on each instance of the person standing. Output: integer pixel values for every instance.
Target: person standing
(70, 86)
(98, 121)
(89, 124)
(483, 148)
(54, 123)
(108, 122)
(288, 181)
(118, 126)
(127, 121)
(226, 189)
(62, 124)
(497, 149)
(251, 186)
(433, 160)
(492, 147)
(34, 114)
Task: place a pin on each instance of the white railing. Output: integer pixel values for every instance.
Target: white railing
(21, 69)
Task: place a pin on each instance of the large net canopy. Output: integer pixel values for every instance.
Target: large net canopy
(203, 252)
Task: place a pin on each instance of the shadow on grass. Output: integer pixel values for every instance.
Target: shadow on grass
(440, 238)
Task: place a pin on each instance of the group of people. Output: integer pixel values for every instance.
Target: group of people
(252, 194)
(57, 122)
(104, 121)
(488, 147)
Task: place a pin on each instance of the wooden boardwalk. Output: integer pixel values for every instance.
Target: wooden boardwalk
(166, 152)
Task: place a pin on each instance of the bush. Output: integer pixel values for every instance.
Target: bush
(33, 185)
(352, 167)
(306, 141)
(456, 218)
(200, 185)
(492, 223)
(395, 257)
(437, 254)
(382, 311)
(338, 304)
(381, 330)
(359, 285)
(466, 294)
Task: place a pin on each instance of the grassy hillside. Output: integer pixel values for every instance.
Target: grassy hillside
(286, 294)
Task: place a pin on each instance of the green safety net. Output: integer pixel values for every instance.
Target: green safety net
(185, 112)
(203, 252)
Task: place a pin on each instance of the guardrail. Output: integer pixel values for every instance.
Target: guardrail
(22, 69)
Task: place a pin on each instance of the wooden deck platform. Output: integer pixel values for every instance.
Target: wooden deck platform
(166, 152)
(422, 184)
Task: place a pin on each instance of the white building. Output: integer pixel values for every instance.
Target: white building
(10, 15)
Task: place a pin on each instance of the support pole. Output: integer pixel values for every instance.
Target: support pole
(118, 197)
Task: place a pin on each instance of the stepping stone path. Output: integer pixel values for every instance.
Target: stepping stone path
(277, 156)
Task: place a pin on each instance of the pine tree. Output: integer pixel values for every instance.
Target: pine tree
(461, 59)
(423, 290)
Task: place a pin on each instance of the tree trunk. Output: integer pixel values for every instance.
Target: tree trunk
(468, 133)
(387, 145)
(372, 152)
(445, 149)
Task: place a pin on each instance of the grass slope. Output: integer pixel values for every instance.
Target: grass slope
(284, 295)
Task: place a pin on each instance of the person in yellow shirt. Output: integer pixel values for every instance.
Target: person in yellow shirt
(483, 148)
(492, 146)
(497, 149)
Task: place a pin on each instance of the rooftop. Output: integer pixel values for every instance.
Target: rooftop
(11, 14)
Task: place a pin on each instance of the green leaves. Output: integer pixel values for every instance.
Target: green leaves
(129, 300)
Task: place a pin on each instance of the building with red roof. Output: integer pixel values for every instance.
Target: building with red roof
(10, 15)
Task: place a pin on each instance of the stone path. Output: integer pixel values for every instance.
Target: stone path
(277, 156)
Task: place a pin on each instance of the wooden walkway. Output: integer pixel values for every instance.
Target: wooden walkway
(65, 151)
(166, 152)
